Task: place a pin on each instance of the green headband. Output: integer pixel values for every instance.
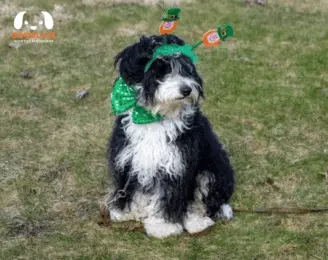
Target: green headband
(170, 50)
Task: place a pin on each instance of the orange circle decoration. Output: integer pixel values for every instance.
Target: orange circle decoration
(211, 38)
(168, 27)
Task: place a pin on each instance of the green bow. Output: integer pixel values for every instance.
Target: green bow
(124, 98)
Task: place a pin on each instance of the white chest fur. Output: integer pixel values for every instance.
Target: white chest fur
(151, 149)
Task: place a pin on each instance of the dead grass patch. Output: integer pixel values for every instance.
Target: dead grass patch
(20, 226)
(32, 114)
(71, 134)
(288, 248)
(62, 208)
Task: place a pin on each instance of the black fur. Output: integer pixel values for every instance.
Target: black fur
(133, 59)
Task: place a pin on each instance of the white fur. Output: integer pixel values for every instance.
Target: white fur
(195, 223)
(117, 215)
(157, 227)
(203, 180)
(226, 212)
(144, 207)
(141, 205)
(169, 99)
(150, 147)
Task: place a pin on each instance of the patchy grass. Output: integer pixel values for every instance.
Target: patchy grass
(266, 97)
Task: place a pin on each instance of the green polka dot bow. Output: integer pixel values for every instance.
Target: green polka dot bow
(124, 98)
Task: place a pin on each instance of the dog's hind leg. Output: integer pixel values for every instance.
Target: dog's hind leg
(220, 186)
(214, 200)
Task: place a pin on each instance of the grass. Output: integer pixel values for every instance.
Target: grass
(266, 97)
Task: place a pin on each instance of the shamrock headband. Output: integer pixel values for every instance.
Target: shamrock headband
(170, 22)
(171, 49)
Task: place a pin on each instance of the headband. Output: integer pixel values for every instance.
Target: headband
(170, 22)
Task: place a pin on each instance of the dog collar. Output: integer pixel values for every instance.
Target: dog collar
(124, 98)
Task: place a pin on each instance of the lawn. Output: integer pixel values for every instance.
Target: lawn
(266, 95)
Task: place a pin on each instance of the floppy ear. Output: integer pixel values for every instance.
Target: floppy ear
(18, 22)
(132, 60)
(158, 69)
(48, 21)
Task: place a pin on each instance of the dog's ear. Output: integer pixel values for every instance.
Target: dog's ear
(149, 86)
(157, 71)
(133, 59)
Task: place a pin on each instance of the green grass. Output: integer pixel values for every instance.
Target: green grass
(265, 95)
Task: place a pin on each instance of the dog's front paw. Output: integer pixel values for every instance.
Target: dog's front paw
(117, 215)
(195, 224)
(158, 228)
(225, 212)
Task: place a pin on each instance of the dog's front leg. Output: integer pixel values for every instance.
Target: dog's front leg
(166, 213)
(158, 227)
(119, 203)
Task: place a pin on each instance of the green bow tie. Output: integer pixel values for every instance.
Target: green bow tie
(124, 98)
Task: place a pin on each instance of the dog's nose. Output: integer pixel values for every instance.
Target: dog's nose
(185, 91)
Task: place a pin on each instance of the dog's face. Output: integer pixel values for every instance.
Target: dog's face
(169, 84)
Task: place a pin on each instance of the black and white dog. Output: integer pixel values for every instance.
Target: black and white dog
(175, 173)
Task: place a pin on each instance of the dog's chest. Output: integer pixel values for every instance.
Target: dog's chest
(151, 151)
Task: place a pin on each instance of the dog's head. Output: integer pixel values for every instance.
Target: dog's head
(168, 84)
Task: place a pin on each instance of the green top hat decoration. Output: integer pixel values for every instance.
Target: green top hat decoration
(172, 14)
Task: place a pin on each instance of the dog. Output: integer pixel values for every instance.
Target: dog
(173, 175)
